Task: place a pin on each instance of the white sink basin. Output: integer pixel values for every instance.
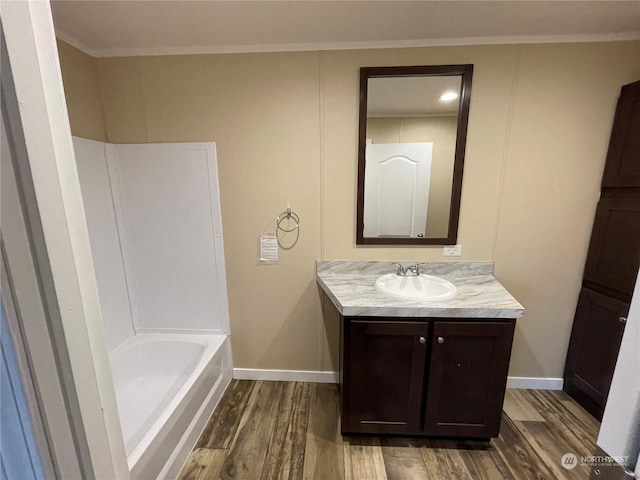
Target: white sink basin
(421, 287)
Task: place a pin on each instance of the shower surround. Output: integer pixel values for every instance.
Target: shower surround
(153, 215)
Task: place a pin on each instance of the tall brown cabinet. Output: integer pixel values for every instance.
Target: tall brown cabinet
(611, 266)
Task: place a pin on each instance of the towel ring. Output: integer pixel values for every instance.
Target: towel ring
(288, 214)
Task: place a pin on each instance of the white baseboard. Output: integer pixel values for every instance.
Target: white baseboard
(285, 375)
(538, 383)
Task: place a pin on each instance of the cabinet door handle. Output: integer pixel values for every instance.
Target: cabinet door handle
(441, 340)
(422, 340)
(622, 319)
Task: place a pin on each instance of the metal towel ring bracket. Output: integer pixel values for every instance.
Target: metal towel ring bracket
(288, 215)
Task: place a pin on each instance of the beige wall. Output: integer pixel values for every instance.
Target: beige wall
(82, 90)
(286, 124)
(561, 118)
(442, 132)
(263, 113)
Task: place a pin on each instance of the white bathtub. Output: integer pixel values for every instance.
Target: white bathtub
(167, 386)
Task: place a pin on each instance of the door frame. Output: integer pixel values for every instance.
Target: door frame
(59, 251)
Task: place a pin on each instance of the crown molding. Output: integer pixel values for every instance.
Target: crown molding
(360, 45)
(76, 44)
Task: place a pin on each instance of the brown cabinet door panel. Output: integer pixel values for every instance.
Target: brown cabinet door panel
(612, 264)
(384, 376)
(595, 341)
(467, 378)
(623, 159)
(614, 251)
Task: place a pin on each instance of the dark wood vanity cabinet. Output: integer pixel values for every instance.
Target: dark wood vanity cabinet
(467, 378)
(384, 376)
(432, 377)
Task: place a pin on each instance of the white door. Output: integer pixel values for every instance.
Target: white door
(619, 434)
(396, 189)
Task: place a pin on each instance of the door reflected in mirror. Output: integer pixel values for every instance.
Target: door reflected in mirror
(413, 124)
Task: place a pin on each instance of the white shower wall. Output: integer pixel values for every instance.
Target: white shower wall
(105, 243)
(156, 235)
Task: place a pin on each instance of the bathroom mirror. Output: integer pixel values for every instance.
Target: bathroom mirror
(412, 135)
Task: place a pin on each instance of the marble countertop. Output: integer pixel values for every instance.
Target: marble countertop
(350, 286)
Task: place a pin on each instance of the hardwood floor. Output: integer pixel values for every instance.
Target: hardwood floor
(290, 430)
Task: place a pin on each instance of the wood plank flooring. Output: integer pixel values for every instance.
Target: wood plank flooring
(290, 430)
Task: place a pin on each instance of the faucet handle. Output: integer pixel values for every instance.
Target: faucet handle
(401, 270)
(415, 269)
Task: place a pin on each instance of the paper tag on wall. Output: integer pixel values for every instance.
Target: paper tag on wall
(268, 248)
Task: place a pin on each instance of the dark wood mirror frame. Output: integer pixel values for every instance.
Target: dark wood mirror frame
(466, 72)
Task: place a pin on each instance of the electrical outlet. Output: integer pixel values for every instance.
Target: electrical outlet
(453, 250)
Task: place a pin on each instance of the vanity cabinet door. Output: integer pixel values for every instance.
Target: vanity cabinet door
(384, 371)
(467, 378)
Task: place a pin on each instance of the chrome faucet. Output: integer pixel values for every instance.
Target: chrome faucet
(413, 270)
(410, 271)
(401, 272)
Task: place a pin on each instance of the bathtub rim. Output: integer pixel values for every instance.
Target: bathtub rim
(215, 343)
(181, 453)
(133, 361)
